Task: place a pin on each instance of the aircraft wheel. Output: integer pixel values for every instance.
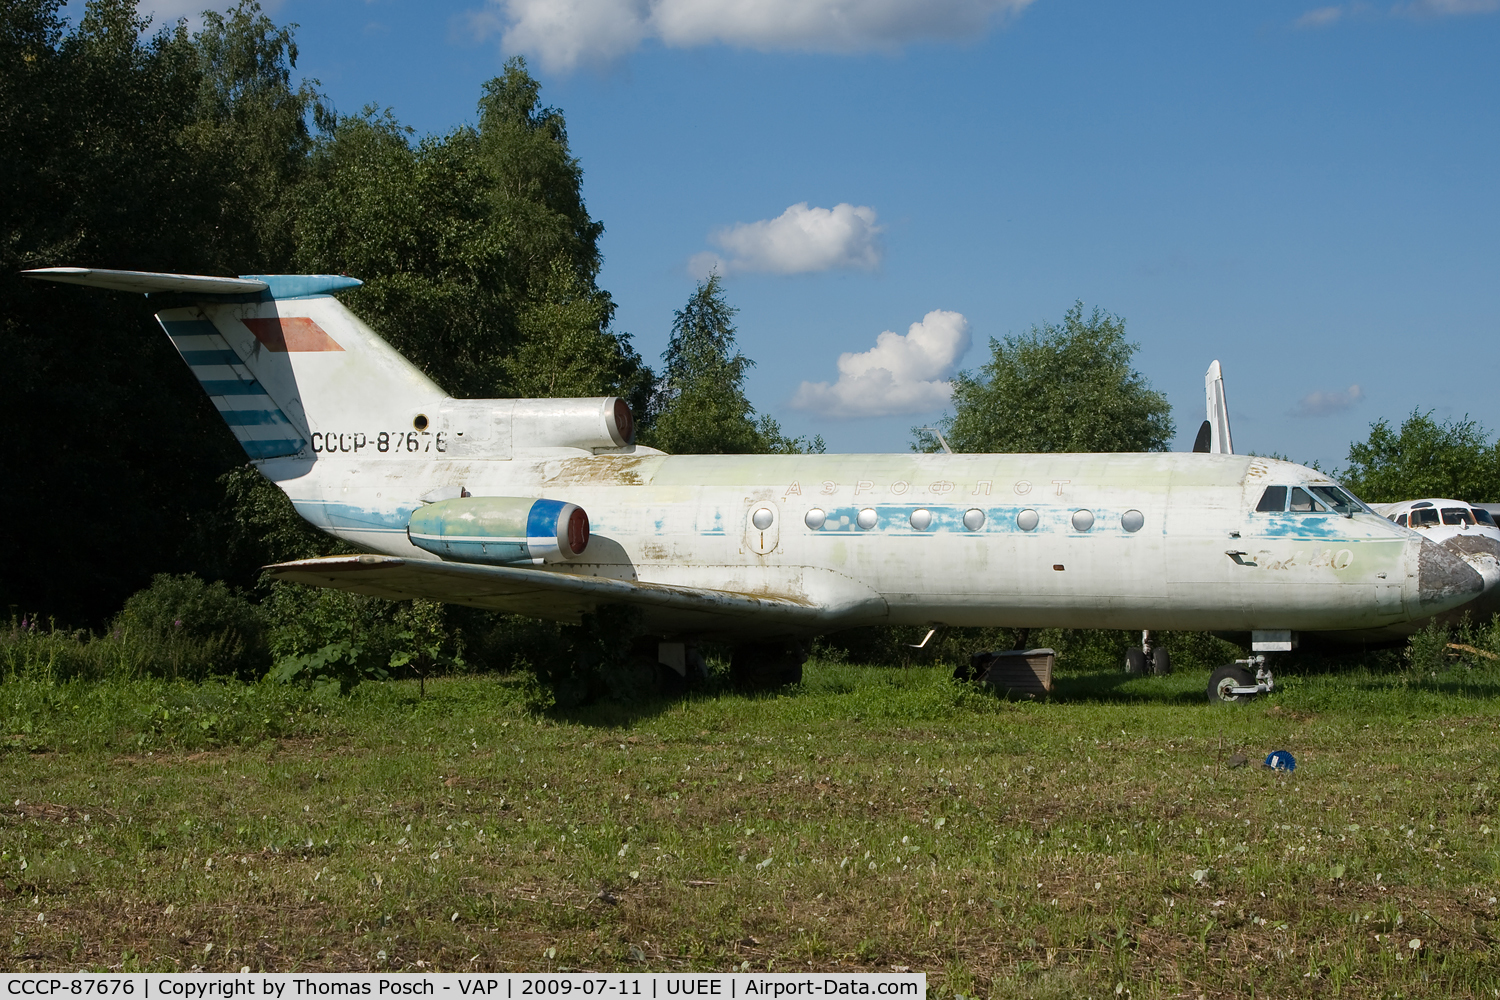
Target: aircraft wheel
(1135, 661)
(1161, 661)
(1220, 682)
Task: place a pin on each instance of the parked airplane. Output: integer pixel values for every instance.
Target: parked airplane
(1467, 530)
(547, 507)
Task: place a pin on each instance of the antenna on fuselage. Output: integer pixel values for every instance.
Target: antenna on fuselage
(940, 439)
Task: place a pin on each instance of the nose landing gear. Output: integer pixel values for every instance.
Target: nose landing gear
(1234, 684)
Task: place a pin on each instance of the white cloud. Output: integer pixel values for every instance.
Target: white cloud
(1323, 17)
(1321, 404)
(1448, 8)
(165, 13)
(1320, 18)
(566, 33)
(797, 241)
(902, 373)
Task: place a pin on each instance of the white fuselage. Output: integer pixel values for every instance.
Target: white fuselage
(1201, 558)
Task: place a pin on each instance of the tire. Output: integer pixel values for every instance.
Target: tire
(1161, 661)
(1228, 676)
(1135, 661)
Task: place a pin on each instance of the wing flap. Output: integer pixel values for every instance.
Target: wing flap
(545, 594)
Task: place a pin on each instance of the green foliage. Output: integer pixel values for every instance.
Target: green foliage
(171, 152)
(103, 167)
(193, 629)
(247, 104)
(700, 406)
(254, 525)
(338, 667)
(1067, 388)
(1425, 458)
(478, 255)
(410, 637)
(46, 654)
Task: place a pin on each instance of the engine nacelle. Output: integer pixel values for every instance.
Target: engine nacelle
(495, 428)
(594, 422)
(501, 530)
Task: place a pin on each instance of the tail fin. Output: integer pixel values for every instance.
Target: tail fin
(1218, 411)
(291, 370)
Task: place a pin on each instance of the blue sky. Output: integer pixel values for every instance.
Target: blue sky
(1306, 192)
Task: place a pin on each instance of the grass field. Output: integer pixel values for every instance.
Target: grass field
(1098, 844)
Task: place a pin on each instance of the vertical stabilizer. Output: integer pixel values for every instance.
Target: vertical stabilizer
(1219, 442)
(303, 377)
(294, 374)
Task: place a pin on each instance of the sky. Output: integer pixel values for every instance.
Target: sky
(1308, 193)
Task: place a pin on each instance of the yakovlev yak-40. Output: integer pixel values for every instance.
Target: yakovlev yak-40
(547, 507)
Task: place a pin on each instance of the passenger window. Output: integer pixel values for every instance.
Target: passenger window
(1273, 499)
(1457, 515)
(1401, 520)
(1303, 503)
(1483, 516)
(1422, 518)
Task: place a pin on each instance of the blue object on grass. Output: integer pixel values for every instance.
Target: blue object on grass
(1280, 760)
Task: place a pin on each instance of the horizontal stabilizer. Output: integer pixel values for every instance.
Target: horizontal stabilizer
(148, 281)
(543, 593)
(277, 286)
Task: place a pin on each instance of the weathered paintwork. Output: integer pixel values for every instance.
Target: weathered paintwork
(500, 530)
(724, 545)
(1201, 559)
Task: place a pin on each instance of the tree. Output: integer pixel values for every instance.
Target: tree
(169, 152)
(1425, 458)
(108, 163)
(700, 406)
(1068, 388)
(479, 257)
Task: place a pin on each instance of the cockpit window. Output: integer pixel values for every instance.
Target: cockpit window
(1273, 499)
(1401, 520)
(1483, 516)
(1457, 515)
(1337, 499)
(1422, 518)
(1302, 503)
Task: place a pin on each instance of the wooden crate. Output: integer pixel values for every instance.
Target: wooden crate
(1021, 671)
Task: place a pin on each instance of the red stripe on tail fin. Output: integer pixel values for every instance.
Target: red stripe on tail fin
(291, 333)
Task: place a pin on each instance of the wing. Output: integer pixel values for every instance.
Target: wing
(558, 596)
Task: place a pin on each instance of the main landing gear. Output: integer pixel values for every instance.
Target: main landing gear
(1234, 684)
(1156, 659)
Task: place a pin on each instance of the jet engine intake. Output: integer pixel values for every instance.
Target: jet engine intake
(500, 530)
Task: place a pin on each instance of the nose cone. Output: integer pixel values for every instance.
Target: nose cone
(1483, 554)
(1444, 580)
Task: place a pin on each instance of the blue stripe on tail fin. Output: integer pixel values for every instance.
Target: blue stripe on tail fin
(259, 425)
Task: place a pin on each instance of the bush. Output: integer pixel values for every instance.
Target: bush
(316, 628)
(48, 654)
(183, 628)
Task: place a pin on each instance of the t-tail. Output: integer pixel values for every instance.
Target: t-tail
(299, 378)
(1213, 435)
